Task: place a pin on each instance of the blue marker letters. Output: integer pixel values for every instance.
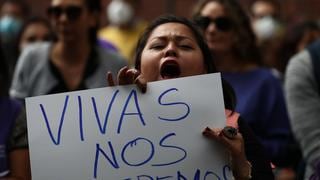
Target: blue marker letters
(115, 155)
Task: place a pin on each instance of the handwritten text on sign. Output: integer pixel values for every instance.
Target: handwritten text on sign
(117, 133)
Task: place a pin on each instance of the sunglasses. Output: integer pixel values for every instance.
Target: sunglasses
(72, 12)
(223, 24)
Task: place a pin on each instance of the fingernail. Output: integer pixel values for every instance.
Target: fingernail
(144, 89)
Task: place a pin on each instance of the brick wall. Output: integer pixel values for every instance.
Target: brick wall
(293, 10)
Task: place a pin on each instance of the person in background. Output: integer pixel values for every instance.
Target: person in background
(74, 61)
(14, 155)
(297, 39)
(269, 28)
(266, 19)
(307, 33)
(173, 47)
(303, 98)
(107, 45)
(124, 27)
(260, 100)
(35, 29)
(12, 16)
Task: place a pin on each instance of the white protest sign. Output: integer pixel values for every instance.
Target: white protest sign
(117, 133)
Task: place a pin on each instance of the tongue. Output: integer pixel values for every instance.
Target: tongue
(170, 71)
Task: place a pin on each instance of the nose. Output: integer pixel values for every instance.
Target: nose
(171, 50)
(211, 27)
(63, 17)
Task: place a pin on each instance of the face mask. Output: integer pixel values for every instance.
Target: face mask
(119, 12)
(9, 27)
(266, 27)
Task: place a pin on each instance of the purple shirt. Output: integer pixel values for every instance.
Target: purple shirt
(261, 103)
(9, 110)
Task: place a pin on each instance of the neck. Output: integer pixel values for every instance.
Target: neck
(71, 52)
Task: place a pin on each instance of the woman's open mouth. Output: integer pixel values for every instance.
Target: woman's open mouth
(170, 69)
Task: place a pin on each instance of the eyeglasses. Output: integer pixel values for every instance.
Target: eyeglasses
(223, 24)
(72, 12)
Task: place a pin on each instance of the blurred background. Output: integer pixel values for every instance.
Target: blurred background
(282, 27)
(292, 10)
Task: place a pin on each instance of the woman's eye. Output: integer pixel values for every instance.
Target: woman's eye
(187, 47)
(31, 39)
(158, 46)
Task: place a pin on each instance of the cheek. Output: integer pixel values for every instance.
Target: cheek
(231, 37)
(22, 45)
(150, 66)
(195, 65)
(225, 42)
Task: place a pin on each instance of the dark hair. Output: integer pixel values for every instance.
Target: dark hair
(25, 10)
(245, 48)
(291, 40)
(4, 75)
(208, 60)
(274, 3)
(228, 92)
(297, 32)
(30, 21)
(94, 6)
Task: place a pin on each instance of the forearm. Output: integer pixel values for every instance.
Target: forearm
(20, 165)
(241, 168)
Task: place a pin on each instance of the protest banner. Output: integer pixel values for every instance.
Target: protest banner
(117, 133)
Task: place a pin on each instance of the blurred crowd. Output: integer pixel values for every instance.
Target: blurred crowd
(271, 65)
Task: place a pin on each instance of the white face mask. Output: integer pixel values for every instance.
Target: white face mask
(9, 28)
(119, 12)
(266, 27)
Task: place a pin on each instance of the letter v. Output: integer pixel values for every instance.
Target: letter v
(103, 127)
(56, 142)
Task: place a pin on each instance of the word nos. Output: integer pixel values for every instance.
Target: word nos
(150, 149)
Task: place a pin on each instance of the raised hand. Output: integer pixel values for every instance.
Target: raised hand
(128, 76)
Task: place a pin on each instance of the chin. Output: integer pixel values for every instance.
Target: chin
(212, 46)
(219, 48)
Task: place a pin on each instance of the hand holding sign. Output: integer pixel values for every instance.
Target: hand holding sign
(128, 76)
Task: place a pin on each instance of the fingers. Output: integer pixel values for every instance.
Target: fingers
(141, 83)
(128, 76)
(110, 79)
(132, 74)
(209, 133)
(235, 144)
(230, 132)
(122, 78)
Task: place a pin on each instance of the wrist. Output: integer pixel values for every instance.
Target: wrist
(241, 169)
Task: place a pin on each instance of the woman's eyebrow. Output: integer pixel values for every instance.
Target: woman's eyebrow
(177, 38)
